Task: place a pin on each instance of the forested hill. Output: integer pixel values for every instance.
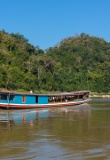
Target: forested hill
(76, 63)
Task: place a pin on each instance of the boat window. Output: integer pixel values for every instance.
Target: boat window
(36, 99)
(12, 97)
(54, 98)
(50, 99)
(62, 98)
(3, 97)
(23, 98)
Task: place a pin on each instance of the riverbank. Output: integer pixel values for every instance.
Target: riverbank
(102, 95)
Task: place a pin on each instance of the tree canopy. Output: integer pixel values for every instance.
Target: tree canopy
(76, 63)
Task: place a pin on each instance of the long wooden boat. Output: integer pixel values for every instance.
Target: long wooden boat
(12, 100)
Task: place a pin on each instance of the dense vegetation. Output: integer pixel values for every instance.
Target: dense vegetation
(76, 63)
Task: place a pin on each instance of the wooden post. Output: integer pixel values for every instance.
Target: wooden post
(8, 100)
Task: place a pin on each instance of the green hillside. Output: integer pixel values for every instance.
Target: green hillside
(76, 63)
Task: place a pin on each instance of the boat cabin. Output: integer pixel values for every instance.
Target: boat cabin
(16, 98)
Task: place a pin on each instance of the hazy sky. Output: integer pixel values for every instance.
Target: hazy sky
(46, 22)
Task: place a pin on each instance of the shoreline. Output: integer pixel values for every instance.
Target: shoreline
(100, 96)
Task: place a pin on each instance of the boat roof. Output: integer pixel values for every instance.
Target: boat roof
(50, 94)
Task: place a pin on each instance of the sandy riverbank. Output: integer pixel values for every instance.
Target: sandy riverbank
(100, 95)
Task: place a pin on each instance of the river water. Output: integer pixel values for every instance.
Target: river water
(74, 133)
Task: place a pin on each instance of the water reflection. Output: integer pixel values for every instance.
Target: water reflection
(27, 116)
(8, 117)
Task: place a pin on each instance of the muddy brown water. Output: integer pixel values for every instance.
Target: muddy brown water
(73, 133)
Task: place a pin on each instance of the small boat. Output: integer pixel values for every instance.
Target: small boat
(13, 100)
